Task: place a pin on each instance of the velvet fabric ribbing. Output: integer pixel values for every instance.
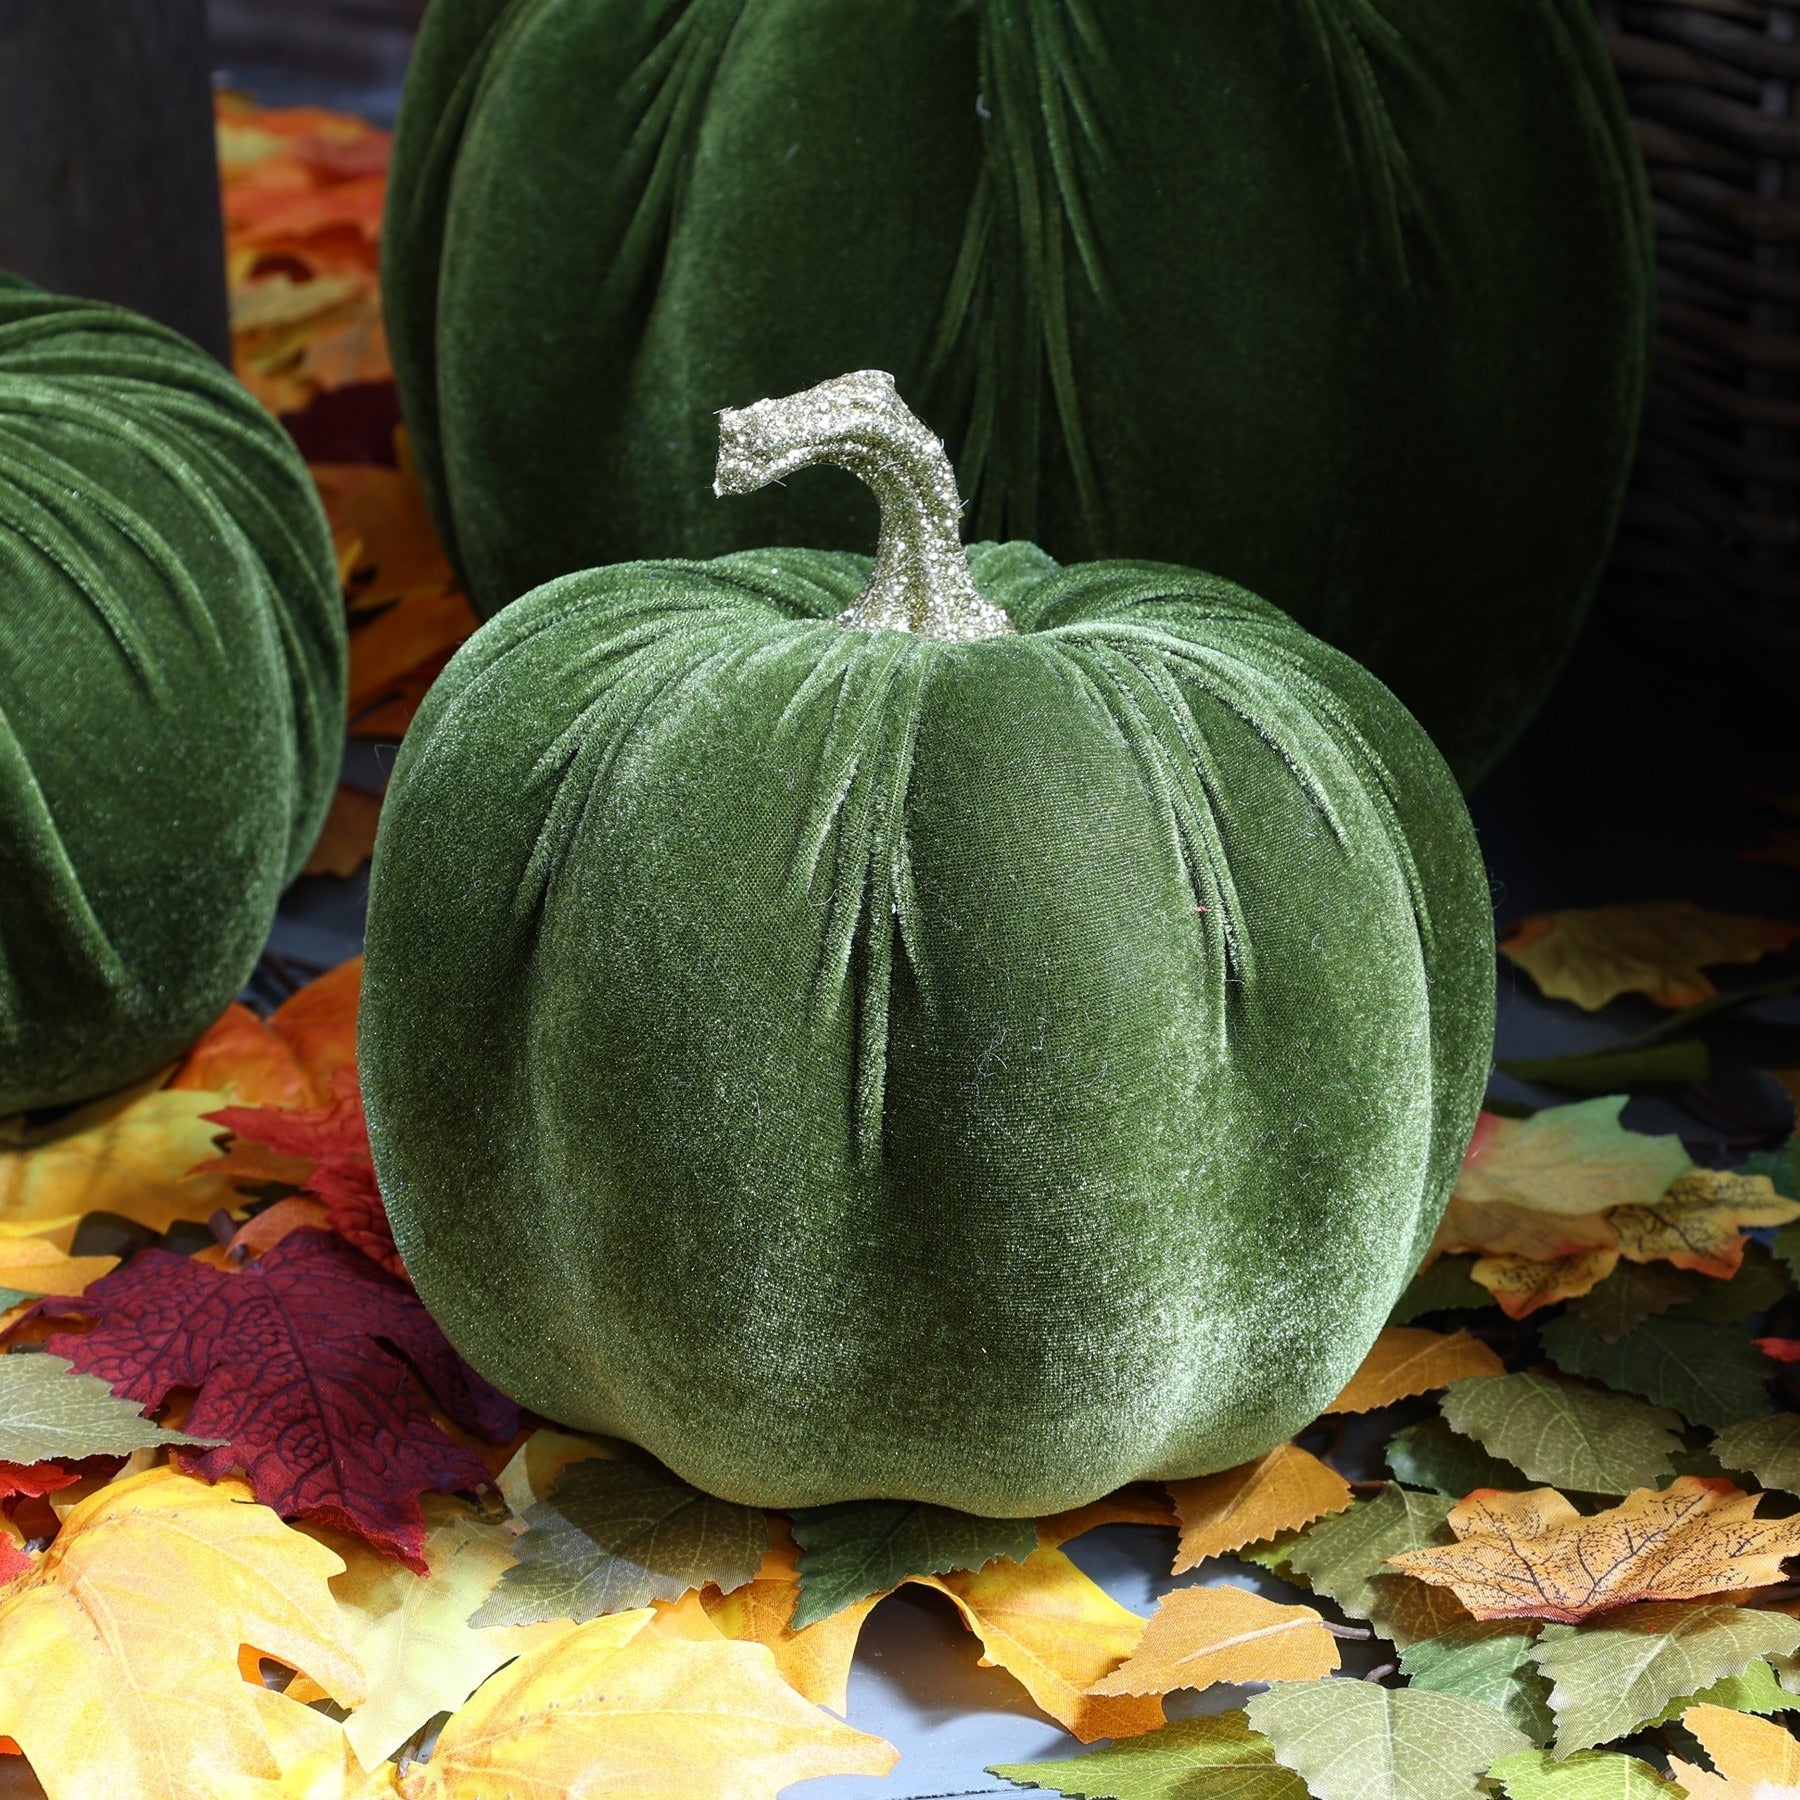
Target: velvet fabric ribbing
(171, 690)
(1346, 300)
(851, 1063)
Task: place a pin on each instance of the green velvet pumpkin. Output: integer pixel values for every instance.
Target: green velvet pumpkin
(1346, 300)
(884, 1052)
(171, 690)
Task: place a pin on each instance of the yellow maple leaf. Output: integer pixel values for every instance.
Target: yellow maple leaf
(1522, 1284)
(1281, 1491)
(1696, 1223)
(415, 1632)
(1532, 1556)
(121, 1653)
(815, 1660)
(1406, 1359)
(1139, 1504)
(1657, 948)
(33, 1265)
(128, 1154)
(654, 1712)
(1056, 1633)
(1755, 1759)
(1202, 1635)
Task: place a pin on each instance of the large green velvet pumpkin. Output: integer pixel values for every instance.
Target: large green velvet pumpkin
(887, 1052)
(1346, 300)
(171, 690)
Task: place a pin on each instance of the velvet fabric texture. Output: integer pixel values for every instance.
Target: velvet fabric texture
(852, 1063)
(1348, 301)
(171, 690)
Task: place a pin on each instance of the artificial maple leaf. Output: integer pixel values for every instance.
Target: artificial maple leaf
(34, 1265)
(128, 1154)
(1658, 948)
(1696, 1223)
(1202, 1635)
(1752, 1759)
(534, 1469)
(1056, 1633)
(416, 1634)
(1139, 1504)
(1355, 1740)
(1281, 1491)
(120, 1654)
(1579, 1438)
(618, 1706)
(1523, 1284)
(1405, 1360)
(814, 1660)
(288, 1059)
(332, 1141)
(301, 1364)
(855, 1548)
(347, 838)
(1217, 1757)
(1532, 1556)
(615, 1534)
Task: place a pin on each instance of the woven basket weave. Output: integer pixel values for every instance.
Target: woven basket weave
(1707, 563)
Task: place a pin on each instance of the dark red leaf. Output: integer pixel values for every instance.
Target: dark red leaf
(302, 1361)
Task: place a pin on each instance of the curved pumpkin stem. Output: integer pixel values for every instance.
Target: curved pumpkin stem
(921, 580)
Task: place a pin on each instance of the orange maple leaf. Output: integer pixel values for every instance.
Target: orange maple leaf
(1755, 1759)
(1532, 1556)
(288, 1059)
(1199, 1636)
(1281, 1491)
(1406, 1360)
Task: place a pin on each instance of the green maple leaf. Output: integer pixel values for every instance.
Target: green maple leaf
(1611, 1674)
(617, 1534)
(1430, 1455)
(1217, 1758)
(1345, 1558)
(1768, 1448)
(1587, 1775)
(1757, 1690)
(50, 1410)
(1782, 1166)
(1710, 1374)
(1487, 1660)
(863, 1547)
(1634, 1292)
(1444, 1287)
(1573, 1438)
(1356, 1740)
(1758, 1284)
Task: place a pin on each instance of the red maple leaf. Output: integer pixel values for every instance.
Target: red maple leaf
(335, 1140)
(33, 1480)
(303, 1362)
(1784, 1350)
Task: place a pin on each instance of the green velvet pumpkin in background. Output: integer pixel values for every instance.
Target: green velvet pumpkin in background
(1346, 301)
(171, 690)
(956, 1028)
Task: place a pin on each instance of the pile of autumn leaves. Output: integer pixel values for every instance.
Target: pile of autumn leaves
(265, 1534)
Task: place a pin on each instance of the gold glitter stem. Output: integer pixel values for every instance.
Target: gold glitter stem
(921, 580)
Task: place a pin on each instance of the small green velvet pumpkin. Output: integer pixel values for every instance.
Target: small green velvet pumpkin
(965, 1030)
(1346, 300)
(171, 690)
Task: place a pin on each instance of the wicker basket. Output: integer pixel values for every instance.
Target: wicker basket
(1707, 563)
